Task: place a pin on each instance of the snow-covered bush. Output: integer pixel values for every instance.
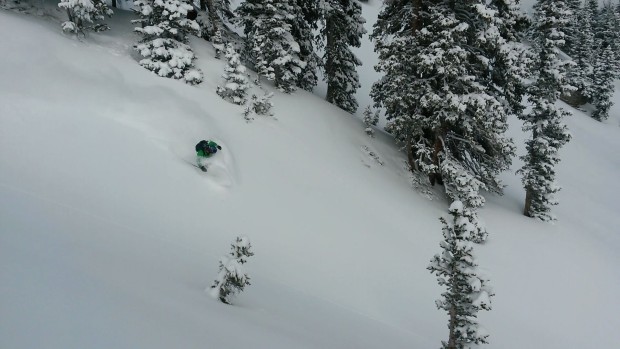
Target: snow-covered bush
(84, 15)
(236, 80)
(218, 43)
(165, 27)
(466, 291)
(231, 278)
(370, 119)
(260, 105)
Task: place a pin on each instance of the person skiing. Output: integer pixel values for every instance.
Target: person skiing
(205, 149)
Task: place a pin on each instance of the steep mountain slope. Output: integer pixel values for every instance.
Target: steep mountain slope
(108, 237)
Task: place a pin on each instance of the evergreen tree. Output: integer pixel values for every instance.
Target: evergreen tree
(605, 63)
(269, 42)
(165, 29)
(511, 58)
(222, 9)
(466, 291)
(442, 96)
(81, 13)
(231, 278)
(603, 77)
(399, 49)
(343, 28)
(453, 74)
(592, 11)
(572, 28)
(236, 81)
(580, 75)
(303, 23)
(465, 188)
(218, 12)
(370, 119)
(544, 121)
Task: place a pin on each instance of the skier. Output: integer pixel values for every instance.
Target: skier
(204, 149)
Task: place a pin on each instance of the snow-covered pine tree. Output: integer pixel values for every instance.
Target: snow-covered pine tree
(399, 49)
(165, 28)
(452, 76)
(617, 12)
(85, 15)
(511, 58)
(605, 63)
(231, 278)
(439, 89)
(617, 31)
(370, 119)
(467, 292)
(592, 11)
(218, 11)
(218, 43)
(303, 25)
(603, 77)
(236, 81)
(581, 73)
(262, 105)
(269, 42)
(222, 9)
(246, 14)
(465, 188)
(343, 27)
(544, 121)
(572, 29)
(259, 106)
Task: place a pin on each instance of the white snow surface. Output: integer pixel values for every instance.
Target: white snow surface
(109, 237)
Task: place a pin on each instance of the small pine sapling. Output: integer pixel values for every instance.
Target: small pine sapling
(259, 106)
(257, 81)
(262, 105)
(236, 81)
(231, 278)
(218, 44)
(370, 119)
(247, 114)
(466, 291)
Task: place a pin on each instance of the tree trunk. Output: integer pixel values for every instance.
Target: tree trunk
(411, 157)
(212, 16)
(438, 148)
(70, 15)
(114, 3)
(416, 23)
(329, 62)
(528, 202)
(203, 5)
(452, 328)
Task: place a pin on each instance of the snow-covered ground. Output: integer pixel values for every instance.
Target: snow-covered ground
(108, 237)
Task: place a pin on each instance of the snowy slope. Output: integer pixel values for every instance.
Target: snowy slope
(108, 237)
